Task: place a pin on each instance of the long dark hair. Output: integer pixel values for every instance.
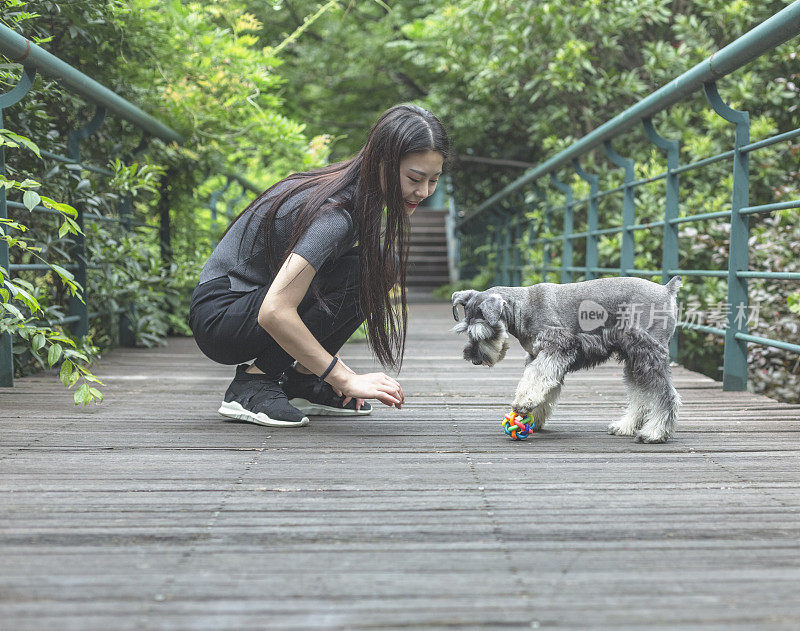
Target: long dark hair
(400, 130)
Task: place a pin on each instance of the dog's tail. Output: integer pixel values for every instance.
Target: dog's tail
(674, 285)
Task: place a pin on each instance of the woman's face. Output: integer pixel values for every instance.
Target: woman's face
(419, 172)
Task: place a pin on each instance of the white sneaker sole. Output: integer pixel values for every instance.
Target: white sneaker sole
(233, 409)
(306, 407)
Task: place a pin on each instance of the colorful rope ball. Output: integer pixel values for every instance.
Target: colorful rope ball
(518, 427)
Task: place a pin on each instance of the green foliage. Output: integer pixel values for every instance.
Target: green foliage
(21, 302)
(199, 68)
(262, 89)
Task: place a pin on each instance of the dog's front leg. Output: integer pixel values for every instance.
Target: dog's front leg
(540, 386)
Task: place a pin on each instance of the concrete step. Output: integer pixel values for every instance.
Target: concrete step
(429, 240)
(427, 222)
(434, 250)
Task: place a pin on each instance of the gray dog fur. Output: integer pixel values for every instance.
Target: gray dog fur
(570, 326)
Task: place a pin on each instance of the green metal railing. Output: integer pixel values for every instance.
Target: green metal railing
(34, 59)
(498, 209)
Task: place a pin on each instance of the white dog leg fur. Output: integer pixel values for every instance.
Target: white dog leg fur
(661, 418)
(634, 416)
(539, 388)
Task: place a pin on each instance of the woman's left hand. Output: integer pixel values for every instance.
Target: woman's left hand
(359, 402)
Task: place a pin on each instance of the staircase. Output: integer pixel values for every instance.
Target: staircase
(427, 257)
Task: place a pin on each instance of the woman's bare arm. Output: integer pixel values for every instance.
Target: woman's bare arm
(278, 316)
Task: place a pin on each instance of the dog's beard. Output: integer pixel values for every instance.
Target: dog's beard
(486, 345)
(494, 350)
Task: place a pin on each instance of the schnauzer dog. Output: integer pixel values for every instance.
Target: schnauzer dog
(570, 326)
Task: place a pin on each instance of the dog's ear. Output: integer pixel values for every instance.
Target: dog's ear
(492, 308)
(461, 298)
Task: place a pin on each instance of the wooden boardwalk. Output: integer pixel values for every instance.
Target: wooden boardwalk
(152, 512)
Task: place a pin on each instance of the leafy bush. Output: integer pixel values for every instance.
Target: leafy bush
(196, 67)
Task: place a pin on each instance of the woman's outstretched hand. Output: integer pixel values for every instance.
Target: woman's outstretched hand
(374, 385)
(359, 402)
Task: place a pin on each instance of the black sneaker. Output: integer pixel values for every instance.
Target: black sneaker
(257, 399)
(312, 396)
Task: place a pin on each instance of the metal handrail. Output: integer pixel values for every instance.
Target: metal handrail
(34, 59)
(779, 28)
(23, 51)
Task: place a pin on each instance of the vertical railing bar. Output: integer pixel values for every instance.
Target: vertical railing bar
(670, 246)
(566, 252)
(627, 247)
(516, 249)
(453, 233)
(6, 343)
(506, 275)
(6, 100)
(498, 254)
(127, 337)
(591, 219)
(734, 368)
(543, 208)
(78, 307)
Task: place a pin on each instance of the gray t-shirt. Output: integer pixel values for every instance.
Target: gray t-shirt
(241, 254)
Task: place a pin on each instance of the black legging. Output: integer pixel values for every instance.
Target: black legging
(225, 323)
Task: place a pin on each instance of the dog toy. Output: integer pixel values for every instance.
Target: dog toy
(518, 427)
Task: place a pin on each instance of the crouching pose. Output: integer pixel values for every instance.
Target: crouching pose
(305, 264)
(571, 326)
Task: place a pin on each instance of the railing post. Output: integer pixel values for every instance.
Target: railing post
(126, 335)
(506, 240)
(453, 232)
(566, 251)
(515, 277)
(546, 253)
(6, 100)
(734, 370)
(6, 347)
(592, 221)
(78, 307)
(165, 226)
(669, 248)
(626, 256)
(497, 221)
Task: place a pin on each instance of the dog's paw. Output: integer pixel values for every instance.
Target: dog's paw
(540, 412)
(657, 437)
(524, 407)
(622, 427)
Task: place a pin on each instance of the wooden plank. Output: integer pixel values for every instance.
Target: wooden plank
(151, 511)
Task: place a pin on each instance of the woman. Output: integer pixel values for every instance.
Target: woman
(305, 264)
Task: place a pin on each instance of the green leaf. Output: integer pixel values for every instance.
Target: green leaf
(66, 372)
(76, 354)
(75, 228)
(54, 354)
(13, 310)
(96, 394)
(90, 377)
(37, 342)
(82, 395)
(59, 206)
(31, 199)
(66, 275)
(22, 140)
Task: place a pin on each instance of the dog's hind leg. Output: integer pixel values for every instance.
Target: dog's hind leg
(538, 390)
(634, 416)
(651, 376)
